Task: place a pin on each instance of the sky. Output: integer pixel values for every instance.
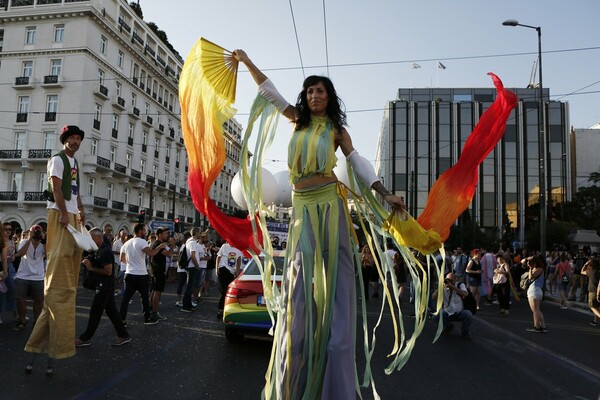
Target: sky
(367, 48)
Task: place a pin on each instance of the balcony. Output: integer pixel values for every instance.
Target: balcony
(135, 38)
(115, 133)
(160, 100)
(23, 82)
(103, 162)
(134, 112)
(136, 174)
(10, 154)
(117, 205)
(144, 148)
(165, 103)
(172, 133)
(154, 95)
(130, 141)
(123, 26)
(148, 121)
(100, 202)
(119, 103)
(171, 108)
(161, 61)
(160, 214)
(142, 86)
(132, 208)
(172, 187)
(50, 117)
(170, 216)
(35, 196)
(135, 80)
(120, 168)
(37, 154)
(9, 196)
(162, 183)
(181, 140)
(150, 179)
(190, 220)
(96, 124)
(167, 160)
(148, 91)
(22, 117)
(161, 128)
(101, 92)
(169, 70)
(149, 50)
(183, 191)
(156, 154)
(53, 81)
(176, 164)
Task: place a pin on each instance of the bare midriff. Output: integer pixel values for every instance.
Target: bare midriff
(314, 181)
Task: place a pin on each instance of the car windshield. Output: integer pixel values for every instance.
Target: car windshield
(252, 267)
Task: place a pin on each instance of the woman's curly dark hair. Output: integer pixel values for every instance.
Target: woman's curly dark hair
(335, 106)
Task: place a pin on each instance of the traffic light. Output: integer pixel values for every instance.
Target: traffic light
(142, 216)
(177, 226)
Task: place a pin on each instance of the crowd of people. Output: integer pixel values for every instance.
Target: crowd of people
(500, 279)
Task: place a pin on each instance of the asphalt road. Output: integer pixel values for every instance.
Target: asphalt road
(188, 357)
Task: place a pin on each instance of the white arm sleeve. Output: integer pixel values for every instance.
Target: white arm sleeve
(269, 92)
(363, 168)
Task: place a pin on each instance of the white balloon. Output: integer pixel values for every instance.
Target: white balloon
(269, 187)
(341, 172)
(284, 188)
(236, 192)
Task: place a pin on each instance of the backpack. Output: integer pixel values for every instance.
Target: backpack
(182, 258)
(469, 302)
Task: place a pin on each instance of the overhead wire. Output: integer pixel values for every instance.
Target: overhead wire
(297, 40)
(326, 40)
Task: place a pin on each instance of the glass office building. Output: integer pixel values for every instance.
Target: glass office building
(423, 133)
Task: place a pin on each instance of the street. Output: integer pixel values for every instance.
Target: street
(188, 357)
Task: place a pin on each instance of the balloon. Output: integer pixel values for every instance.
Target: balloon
(284, 189)
(341, 172)
(269, 187)
(236, 192)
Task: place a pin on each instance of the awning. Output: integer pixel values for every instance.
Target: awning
(584, 237)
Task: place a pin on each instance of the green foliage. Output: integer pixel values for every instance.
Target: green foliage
(137, 9)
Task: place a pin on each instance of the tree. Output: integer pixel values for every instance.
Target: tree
(137, 9)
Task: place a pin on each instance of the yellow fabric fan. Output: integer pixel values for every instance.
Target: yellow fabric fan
(220, 68)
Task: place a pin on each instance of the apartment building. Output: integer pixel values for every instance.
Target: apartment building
(95, 64)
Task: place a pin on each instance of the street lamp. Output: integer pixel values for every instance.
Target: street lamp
(541, 136)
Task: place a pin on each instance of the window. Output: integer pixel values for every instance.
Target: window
(59, 33)
(98, 112)
(43, 181)
(136, 71)
(115, 122)
(20, 138)
(142, 166)
(158, 116)
(49, 139)
(103, 45)
(52, 103)
(168, 151)
(147, 108)
(91, 186)
(177, 153)
(30, 35)
(128, 160)
(156, 143)
(120, 58)
(154, 170)
(131, 130)
(23, 105)
(166, 179)
(109, 191)
(133, 99)
(16, 182)
(140, 199)
(94, 147)
(55, 67)
(145, 138)
(126, 195)
(118, 88)
(100, 76)
(27, 68)
(113, 153)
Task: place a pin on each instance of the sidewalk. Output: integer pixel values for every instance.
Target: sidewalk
(555, 298)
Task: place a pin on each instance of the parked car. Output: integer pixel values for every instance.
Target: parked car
(245, 309)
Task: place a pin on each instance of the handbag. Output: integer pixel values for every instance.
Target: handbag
(499, 279)
(525, 282)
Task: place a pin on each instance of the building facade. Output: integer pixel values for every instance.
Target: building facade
(586, 154)
(95, 64)
(423, 133)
